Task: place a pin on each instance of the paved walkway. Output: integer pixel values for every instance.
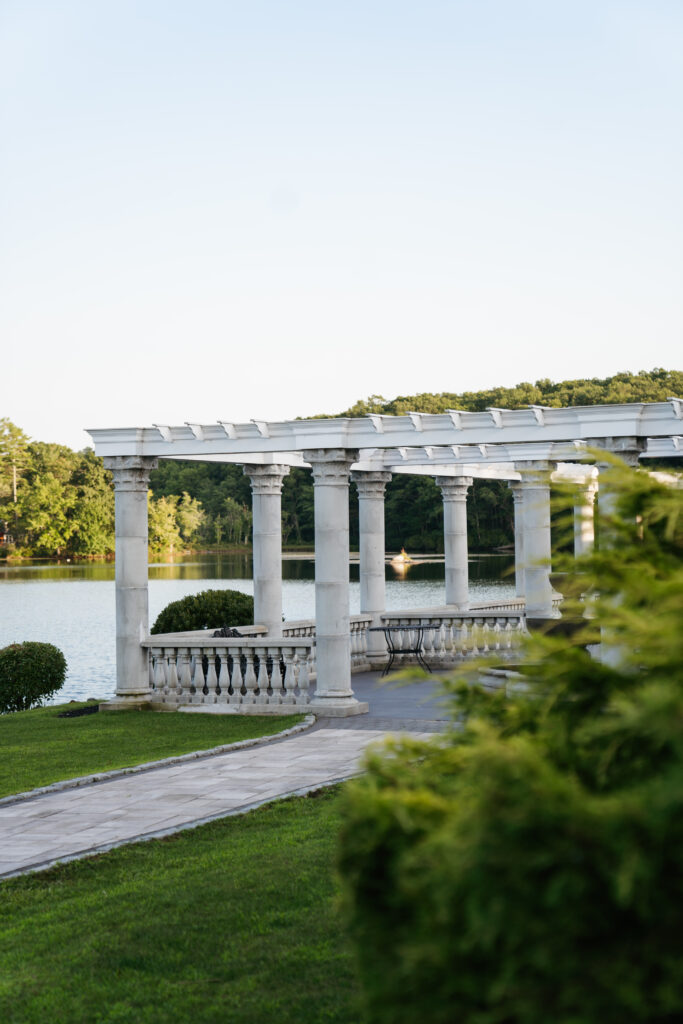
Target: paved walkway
(66, 824)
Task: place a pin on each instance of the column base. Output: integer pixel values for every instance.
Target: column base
(127, 704)
(337, 707)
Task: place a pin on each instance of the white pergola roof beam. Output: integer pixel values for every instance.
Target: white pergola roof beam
(511, 427)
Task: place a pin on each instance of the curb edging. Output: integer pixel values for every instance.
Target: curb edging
(148, 766)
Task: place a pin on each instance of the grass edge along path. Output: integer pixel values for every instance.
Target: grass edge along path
(233, 921)
(37, 748)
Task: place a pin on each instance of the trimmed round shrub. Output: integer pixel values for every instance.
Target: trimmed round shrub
(29, 674)
(210, 609)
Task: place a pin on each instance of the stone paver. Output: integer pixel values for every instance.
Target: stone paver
(72, 823)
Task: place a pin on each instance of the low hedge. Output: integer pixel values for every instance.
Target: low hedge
(29, 674)
(209, 609)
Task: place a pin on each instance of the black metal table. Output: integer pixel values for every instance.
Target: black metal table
(415, 648)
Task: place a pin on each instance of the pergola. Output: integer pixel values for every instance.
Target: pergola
(524, 446)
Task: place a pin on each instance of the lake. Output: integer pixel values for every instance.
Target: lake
(72, 605)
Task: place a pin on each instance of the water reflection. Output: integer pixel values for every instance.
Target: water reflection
(72, 605)
(239, 566)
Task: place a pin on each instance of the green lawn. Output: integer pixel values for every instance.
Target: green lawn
(37, 747)
(235, 922)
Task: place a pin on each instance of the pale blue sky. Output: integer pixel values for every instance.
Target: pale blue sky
(220, 210)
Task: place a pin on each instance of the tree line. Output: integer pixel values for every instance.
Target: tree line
(58, 502)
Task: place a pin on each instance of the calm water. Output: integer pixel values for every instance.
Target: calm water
(72, 606)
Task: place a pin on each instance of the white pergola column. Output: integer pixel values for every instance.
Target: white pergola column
(518, 498)
(535, 486)
(333, 695)
(454, 490)
(584, 518)
(628, 450)
(131, 483)
(371, 488)
(266, 490)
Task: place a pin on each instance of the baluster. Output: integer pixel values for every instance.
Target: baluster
(185, 675)
(275, 676)
(289, 681)
(211, 677)
(262, 678)
(249, 678)
(223, 677)
(159, 674)
(171, 688)
(438, 643)
(198, 678)
(363, 642)
(304, 678)
(150, 668)
(479, 630)
(460, 631)
(428, 644)
(355, 659)
(474, 639)
(446, 640)
(237, 681)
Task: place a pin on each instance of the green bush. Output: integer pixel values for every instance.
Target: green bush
(29, 674)
(528, 866)
(210, 609)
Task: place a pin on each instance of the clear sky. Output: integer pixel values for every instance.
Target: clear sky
(224, 210)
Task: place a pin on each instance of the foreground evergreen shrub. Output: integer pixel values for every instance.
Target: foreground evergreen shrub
(29, 674)
(209, 609)
(529, 867)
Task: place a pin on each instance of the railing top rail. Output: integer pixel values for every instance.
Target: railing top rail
(193, 640)
(199, 634)
(517, 602)
(450, 613)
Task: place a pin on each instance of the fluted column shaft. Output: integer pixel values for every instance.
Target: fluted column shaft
(518, 498)
(371, 488)
(333, 695)
(266, 490)
(454, 492)
(131, 483)
(535, 486)
(584, 519)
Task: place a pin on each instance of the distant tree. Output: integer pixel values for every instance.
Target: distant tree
(163, 530)
(93, 508)
(190, 516)
(13, 456)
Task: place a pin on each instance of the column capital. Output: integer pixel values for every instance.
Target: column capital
(516, 488)
(265, 479)
(331, 466)
(370, 483)
(628, 449)
(130, 472)
(587, 491)
(454, 488)
(534, 472)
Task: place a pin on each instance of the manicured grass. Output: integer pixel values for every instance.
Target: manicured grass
(235, 922)
(37, 747)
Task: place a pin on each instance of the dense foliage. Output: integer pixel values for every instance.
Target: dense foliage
(647, 386)
(54, 501)
(210, 609)
(528, 867)
(29, 674)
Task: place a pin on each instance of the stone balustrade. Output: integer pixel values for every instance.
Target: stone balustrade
(458, 635)
(358, 628)
(257, 676)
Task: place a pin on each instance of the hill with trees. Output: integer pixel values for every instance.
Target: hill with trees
(55, 502)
